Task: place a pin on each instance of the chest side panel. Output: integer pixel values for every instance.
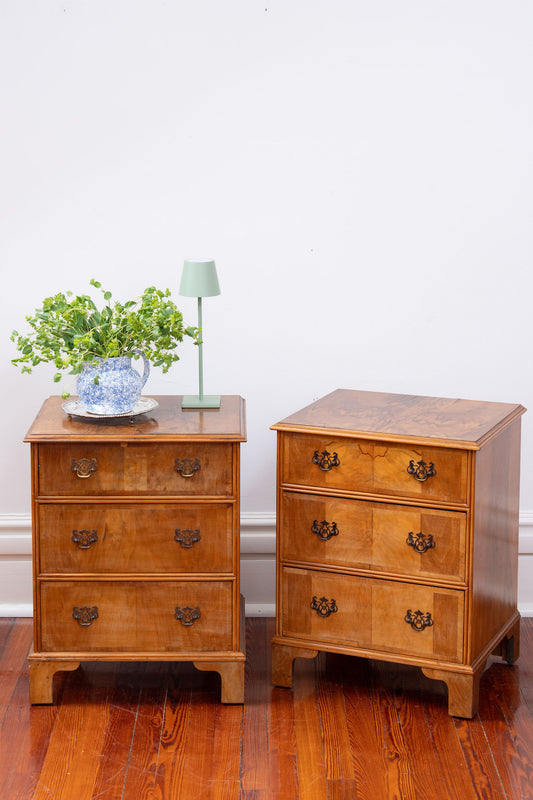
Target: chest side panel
(494, 578)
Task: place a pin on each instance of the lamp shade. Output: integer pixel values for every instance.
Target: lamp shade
(199, 278)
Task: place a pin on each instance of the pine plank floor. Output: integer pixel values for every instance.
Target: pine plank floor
(350, 729)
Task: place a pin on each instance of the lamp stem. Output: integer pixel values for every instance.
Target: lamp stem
(200, 354)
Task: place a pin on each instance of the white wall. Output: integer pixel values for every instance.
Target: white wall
(361, 171)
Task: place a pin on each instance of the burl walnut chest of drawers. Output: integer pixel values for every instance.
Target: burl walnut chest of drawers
(136, 541)
(398, 535)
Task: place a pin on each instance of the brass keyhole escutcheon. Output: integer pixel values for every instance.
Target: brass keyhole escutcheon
(323, 606)
(84, 538)
(325, 460)
(186, 467)
(187, 615)
(324, 530)
(418, 620)
(187, 537)
(421, 471)
(85, 615)
(419, 542)
(84, 467)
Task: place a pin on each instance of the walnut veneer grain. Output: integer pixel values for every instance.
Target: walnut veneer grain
(136, 541)
(398, 535)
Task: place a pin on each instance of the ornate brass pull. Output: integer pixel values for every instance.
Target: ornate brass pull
(325, 530)
(421, 471)
(419, 542)
(186, 536)
(323, 606)
(84, 467)
(418, 620)
(187, 615)
(85, 615)
(84, 538)
(187, 466)
(325, 460)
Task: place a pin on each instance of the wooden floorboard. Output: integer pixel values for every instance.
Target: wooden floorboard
(349, 729)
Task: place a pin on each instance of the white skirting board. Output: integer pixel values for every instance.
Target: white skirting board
(258, 548)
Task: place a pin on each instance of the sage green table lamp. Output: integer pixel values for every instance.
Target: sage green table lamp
(199, 279)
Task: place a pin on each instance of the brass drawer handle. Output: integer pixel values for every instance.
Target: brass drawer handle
(186, 536)
(421, 471)
(323, 606)
(84, 538)
(84, 467)
(325, 530)
(186, 467)
(325, 460)
(419, 542)
(85, 615)
(187, 615)
(418, 620)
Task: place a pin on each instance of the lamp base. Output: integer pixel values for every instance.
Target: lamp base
(195, 401)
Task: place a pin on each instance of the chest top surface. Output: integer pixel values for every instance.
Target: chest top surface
(448, 422)
(166, 423)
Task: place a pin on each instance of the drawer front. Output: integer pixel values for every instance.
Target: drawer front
(387, 616)
(178, 470)
(135, 616)
(128, 538)
(355, 465)
(419, 542)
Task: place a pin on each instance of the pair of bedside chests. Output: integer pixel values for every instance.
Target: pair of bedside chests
(397, 538)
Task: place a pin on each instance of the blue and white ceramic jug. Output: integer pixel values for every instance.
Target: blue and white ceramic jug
(118, 389)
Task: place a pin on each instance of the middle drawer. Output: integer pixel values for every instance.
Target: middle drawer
(135, 538)
(382, 537)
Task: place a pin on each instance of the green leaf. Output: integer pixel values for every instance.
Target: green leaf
(71, 329)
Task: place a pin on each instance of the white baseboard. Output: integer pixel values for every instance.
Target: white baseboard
(16, 609)
(258, 555)
(258, 549)
(260, 609)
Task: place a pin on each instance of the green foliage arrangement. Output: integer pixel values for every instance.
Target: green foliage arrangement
(71, 330)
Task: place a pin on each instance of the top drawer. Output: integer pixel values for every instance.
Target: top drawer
(372, 467)
(120, 469)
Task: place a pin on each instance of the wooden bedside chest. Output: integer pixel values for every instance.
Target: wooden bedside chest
(398, 535)
(136, 541)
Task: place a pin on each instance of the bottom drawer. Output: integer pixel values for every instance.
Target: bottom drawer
(136, 616)
(374, 614)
